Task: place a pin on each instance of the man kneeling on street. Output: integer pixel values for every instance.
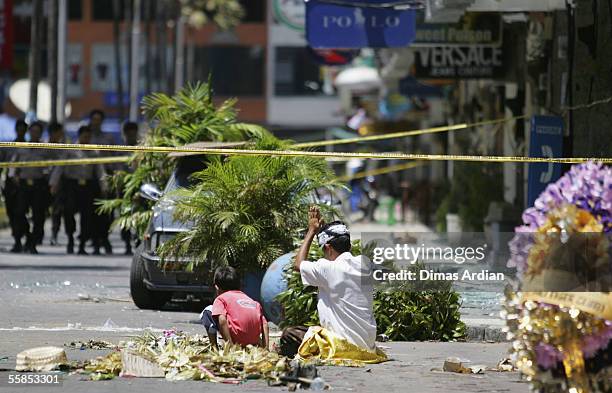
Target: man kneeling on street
(344, 285)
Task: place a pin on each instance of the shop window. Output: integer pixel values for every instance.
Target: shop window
(235, 70)
(102, 10)
(255, 10)
(75, 9)
(296, 73)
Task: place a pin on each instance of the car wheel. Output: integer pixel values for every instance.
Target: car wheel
(142, 296)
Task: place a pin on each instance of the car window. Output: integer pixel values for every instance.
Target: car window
(185, 167)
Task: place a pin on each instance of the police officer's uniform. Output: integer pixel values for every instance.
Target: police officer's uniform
(9, 191)
(78, 186)
(102, 222)
(32, 195)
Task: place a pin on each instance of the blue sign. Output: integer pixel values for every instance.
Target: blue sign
(546, 140)
(357, 25)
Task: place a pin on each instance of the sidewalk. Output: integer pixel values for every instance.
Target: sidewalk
(480, 310)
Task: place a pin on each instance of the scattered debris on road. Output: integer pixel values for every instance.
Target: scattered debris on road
(91, 344)
(455, 365)
(41, 359)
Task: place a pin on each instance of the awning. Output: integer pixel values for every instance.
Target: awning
(411, 87)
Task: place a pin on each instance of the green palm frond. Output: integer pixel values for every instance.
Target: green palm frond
(188, 116)
(247, 210)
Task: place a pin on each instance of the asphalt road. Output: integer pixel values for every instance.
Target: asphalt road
(53, 299)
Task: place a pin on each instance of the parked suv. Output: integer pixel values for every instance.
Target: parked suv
(151, 286)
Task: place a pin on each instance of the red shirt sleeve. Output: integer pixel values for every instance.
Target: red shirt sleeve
(219, 307)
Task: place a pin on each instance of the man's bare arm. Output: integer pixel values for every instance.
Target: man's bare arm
(224, 329)
(266, 334)
(314, 223)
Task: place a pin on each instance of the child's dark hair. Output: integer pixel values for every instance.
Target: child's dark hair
(226, 278)
(341, 243)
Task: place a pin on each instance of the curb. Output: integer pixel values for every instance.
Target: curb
(485, 333)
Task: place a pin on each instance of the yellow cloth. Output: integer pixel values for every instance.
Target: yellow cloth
(324, 345)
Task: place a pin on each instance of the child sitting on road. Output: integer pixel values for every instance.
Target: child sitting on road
(236, 316)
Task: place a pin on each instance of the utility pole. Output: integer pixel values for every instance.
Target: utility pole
(34, 59)
(52, 36)
(117, 56)
(62, 19)
(134, 63)
(179, 61)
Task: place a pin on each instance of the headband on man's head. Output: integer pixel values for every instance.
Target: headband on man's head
(331, 232)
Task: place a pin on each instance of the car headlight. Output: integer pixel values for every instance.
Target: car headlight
(161, 238)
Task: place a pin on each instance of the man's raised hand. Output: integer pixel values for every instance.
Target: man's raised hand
(314, 218)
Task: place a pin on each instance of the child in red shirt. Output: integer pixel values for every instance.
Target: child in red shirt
(236, 316)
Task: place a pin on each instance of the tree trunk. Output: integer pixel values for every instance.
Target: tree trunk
(590, 54)
(127, 20)
(148, 12)
(161, 47)
(179, 58)
(35, 57)
(117, 50)
(52, 56)
(170, 16)
(134, 63)
(62, 18)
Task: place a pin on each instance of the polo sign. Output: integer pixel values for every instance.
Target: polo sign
(355, 25)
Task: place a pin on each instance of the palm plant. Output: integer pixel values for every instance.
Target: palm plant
(246, 210)
(187, 117)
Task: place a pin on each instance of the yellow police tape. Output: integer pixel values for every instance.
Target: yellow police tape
(381, 171)
(297, 153)
(75, 161)
(401, 134)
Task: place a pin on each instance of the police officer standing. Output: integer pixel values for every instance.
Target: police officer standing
(56, 135)
(10, 187)
(78, 185)
(102, 222)
(32, 192)
(130, 137)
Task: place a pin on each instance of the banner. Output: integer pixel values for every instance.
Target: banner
(459, 62)
(6, 34)
(474, 28)
(596, 303)
(357, 26)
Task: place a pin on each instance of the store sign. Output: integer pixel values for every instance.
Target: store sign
(473, 29)
(291, 13)
(546, 140)
(6, 34)
(74, 59)
(329, 25)
(459, 62)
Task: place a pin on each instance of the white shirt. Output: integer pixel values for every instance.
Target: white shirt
(345, 296)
